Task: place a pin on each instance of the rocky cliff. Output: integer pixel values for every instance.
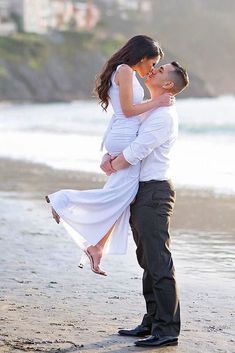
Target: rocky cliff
(62, 66)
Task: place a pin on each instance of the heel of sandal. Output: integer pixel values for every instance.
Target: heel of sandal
(84, 259)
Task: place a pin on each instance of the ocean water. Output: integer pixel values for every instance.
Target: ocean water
(68, 136)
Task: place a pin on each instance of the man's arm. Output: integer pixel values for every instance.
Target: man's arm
(153, 132)
(119, 162)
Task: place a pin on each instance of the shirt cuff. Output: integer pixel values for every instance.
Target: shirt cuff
(129, 156)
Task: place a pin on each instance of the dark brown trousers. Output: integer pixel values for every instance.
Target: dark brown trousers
(150, 223)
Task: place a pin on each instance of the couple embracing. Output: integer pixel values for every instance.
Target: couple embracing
(139, 190)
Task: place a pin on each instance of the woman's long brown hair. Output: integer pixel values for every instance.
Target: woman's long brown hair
(131, 53)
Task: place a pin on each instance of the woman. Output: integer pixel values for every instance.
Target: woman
(98, 219)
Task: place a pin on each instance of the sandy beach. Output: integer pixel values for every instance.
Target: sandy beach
(50, 305)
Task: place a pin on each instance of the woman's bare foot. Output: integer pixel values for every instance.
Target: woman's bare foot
(95, 254)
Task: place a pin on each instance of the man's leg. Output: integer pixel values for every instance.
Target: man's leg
(146, 280)
(145, 328)
(150, 216)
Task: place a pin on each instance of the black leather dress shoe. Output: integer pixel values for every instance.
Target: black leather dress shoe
(139, 331)
(155, 341)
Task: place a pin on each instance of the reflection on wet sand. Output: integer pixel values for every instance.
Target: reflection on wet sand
(206, 252)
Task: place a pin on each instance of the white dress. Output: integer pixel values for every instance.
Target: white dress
(89, 214)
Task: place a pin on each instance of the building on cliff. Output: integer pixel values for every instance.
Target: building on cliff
(7, 24)
(41, 16)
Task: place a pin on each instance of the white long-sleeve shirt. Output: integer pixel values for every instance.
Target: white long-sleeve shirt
(153, 145)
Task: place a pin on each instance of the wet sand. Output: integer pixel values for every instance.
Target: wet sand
(50, 305)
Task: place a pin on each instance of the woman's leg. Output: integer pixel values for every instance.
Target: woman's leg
(54, 213)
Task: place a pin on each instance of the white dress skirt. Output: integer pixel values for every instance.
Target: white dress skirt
(88, 215)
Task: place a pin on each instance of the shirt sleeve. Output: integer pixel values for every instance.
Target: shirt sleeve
(153, 132)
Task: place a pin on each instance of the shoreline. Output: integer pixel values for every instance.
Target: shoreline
(50, 305)
(204, 210)
(94, 99)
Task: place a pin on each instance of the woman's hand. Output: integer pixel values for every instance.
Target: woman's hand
(165, 100)
(106, 165)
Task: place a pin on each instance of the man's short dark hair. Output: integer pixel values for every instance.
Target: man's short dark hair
(179, 77)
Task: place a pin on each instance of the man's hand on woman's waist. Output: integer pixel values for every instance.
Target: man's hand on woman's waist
(111, 164)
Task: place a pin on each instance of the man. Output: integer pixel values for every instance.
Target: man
(152, 208)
